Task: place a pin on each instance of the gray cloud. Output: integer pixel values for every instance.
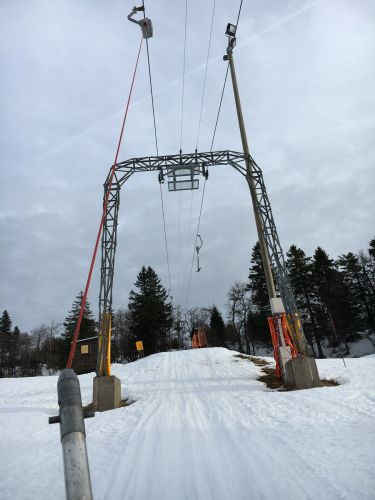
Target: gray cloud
(306, 83)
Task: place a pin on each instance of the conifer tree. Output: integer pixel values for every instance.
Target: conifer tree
(371, 250)
(334, 299)
(88, 324)
(217, 334)
(301, 276)
(257, 282)
(362, 298)
(369, 267)
(257, 324)
(149, 312)
(6, 344)
(5, 323)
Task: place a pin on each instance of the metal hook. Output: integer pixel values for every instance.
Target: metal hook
(197, 248)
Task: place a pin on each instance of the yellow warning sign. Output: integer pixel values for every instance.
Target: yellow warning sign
(139, 345)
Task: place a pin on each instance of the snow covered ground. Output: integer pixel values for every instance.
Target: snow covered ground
(202, 427)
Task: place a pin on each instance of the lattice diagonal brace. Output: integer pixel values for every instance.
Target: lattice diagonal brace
(109, 243)
(197, 162)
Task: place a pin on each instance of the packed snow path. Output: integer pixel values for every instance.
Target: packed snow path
(202, 427)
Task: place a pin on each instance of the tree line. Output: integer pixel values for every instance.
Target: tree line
(336, 299)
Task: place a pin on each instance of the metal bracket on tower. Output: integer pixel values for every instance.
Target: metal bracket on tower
(145, 23)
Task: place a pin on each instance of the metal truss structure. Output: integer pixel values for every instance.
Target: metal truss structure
(190, 166)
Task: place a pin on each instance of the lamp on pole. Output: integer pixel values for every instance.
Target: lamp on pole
(231, 34)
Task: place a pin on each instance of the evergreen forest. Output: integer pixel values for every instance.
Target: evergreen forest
(335, 297)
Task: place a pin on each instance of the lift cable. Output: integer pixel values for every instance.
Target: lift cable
(165, 241)
(239, 13)
(183, 77)
(195, 244)
(217, 119)
(179, 242)
(219, 110)
(151, 89)
(205, 74)
(157, 153)
(105, 205)
(225, 82)
(189, 230)
(181, 137)
(196, 148)
(152, 99)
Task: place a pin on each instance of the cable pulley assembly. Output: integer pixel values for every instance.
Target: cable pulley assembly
(145, 23)
(198, 246)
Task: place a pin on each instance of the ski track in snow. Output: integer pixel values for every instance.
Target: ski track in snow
(202, 427)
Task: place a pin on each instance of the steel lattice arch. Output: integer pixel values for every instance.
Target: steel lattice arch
(188, 166)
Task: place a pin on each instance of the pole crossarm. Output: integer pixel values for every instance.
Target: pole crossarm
(196, 163)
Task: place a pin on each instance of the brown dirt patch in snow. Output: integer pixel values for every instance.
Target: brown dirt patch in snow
(253, 359)
(329, 382)
(269, 378)
(272, 382)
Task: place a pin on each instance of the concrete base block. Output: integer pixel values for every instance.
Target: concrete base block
(107, 393)
(285, 356)
(302, 373)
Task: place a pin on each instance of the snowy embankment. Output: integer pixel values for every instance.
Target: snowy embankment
(202, 427)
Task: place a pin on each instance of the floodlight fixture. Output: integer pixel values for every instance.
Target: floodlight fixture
(231, 30)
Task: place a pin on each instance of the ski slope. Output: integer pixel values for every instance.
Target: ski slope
(202, 427)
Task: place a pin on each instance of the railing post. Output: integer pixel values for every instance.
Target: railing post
(73, 437)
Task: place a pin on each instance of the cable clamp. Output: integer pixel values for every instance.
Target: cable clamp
(145, 23)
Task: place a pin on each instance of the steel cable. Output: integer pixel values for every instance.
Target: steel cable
(225, 82)
(157, 154)
(205, 74)
(212, 142)
(183, 77)
(105, 205)
(196, 238)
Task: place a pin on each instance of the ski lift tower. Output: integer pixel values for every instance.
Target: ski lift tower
(293, 360)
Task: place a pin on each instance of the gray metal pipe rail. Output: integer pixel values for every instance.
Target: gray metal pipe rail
(73, 437)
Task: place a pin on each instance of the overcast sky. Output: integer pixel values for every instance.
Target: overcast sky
(306, 75)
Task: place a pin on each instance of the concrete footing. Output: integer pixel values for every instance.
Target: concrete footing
(301, 373)
(107, 393)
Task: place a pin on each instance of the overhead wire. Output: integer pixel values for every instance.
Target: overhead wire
(104, 212)
(212, 142)
(151, 89)
(205, 74)
(219, 110)
(165, 240)
(239, 13)
(195, 243)
(181, 138)
(196, 148)
(157, 154)
(179, 243)
(183, 76)
(225, 82)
